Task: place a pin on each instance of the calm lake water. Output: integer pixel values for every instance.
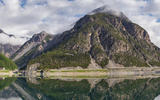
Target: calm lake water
(79, 89)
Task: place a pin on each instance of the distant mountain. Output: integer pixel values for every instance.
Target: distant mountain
(106, 37)
(6, 38)
(9, 35)
(31, 48)
(108, 10)
(6, 46)
(8, 49)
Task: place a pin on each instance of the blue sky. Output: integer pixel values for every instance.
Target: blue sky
(27, 17)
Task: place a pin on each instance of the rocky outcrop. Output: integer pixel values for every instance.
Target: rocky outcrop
(31, 48)
(8, 49)
(31, 71)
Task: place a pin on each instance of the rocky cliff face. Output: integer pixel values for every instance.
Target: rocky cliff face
(106, 37)
(8, 49)
(31, 48)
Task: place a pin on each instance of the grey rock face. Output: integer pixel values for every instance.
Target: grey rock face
(31, 48)
(8, 49)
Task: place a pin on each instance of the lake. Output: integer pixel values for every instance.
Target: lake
(79, 89)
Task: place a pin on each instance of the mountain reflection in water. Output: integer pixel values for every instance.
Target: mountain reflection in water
(79, 89)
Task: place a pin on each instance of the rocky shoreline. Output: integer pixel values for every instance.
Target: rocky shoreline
(84, 73)
(108, 72)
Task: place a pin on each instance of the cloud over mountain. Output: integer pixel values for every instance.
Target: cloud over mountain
(25, 17)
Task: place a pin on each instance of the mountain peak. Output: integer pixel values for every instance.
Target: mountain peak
(40, 36)
(108, 10)
(43, 32)
(31, 48)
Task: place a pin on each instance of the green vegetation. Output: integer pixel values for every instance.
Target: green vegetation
(7, 63)
(54, 89)
(100, 36)
(78, 41)
(85, 77)
(99, 91)
(140, 89)
(87, 70)
(6, 82)
(97, 54)
(104, 62)
(80, 70)
(62, 90)
(58, 59)
(47, 38)
(4, 71)
(154, 63)
(127, 60)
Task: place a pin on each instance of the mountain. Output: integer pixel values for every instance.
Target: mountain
(6, 63)
(31, 48)
(11, 39)
(8, 49)
(103, 38)
(9, 35)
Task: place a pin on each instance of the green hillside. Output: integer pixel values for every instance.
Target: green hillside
(6, 63)
(102, 37)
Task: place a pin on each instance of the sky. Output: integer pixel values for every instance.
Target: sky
(28, 17)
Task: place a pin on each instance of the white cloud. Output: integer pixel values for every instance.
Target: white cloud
(4, 39)
(55, 16)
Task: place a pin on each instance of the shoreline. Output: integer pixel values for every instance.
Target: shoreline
(108, 72)
(84, 73)
(8, 73)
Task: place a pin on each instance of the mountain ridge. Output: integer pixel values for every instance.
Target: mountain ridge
(8, 50)
(31, 48)
(103, 37)
(12, 39)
